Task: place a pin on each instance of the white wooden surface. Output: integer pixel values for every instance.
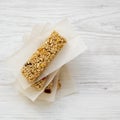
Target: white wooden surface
(96, 72)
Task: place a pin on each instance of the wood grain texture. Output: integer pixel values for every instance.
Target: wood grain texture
(96, 72)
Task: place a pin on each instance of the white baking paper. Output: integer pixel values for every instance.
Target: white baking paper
(67, 83)
(74, 47)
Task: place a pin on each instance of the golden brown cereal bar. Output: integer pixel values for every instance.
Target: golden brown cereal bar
(39, 84)
(37, 63)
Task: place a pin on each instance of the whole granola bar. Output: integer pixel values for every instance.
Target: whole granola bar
(37, 63)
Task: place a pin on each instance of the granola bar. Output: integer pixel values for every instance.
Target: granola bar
(37, 63)
(39, 84)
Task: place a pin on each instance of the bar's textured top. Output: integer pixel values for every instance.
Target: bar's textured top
(37, 63)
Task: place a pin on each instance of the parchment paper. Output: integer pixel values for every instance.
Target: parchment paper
(74, 47)
(67, 83)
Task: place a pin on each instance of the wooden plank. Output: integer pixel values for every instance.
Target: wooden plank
(96, 72)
